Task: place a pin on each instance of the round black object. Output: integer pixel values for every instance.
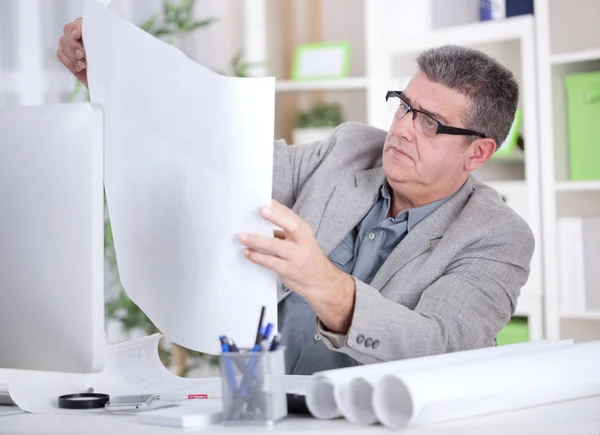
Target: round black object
(83, 401)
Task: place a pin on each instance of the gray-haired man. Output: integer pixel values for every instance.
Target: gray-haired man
(390, 249)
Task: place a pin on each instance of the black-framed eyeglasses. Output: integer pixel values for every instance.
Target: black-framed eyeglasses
(424, 123)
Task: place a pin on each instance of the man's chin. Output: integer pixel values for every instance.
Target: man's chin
(396, 174)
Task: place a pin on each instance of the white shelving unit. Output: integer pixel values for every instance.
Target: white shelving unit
(562, 50)
(356, 83)
(577, 186)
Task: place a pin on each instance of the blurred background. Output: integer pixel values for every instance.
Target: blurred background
(333, 61)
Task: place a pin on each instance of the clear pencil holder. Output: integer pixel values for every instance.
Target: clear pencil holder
(253, 387)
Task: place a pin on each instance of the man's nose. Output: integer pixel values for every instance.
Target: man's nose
(404, 127)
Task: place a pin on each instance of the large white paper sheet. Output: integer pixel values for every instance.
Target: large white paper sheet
(132, 367)
(348, 392)
(506, 382)
(189, 163)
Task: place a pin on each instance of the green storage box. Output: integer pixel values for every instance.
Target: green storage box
(583, 107)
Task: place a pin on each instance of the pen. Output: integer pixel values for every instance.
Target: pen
(259, 330)
(268, 331)
(229, 367)
(173, 397)
(275, 342)
(232, 346)
(224, 343)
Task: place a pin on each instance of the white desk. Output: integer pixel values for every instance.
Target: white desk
(567, 418)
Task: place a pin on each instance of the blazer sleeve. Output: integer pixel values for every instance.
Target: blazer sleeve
(293, 165)
(463, 309)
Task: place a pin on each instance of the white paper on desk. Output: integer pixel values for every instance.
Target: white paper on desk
(503, 383)
(189, 163)
(5, 411)
(132, 367)
(348, 392)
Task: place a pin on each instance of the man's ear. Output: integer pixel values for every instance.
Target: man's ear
(480, 152)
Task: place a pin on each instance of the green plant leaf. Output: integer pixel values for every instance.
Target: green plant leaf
(320, 115)
(201, 23)
(149, 24)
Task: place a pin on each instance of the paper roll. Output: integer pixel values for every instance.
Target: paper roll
(503, 383)
(320, 400)
(331, 393)
(355, 398)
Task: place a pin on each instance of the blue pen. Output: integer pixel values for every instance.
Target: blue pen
(261, 333)
(268, 331)
(229, 368)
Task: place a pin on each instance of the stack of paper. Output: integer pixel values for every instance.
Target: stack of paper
(452, 386)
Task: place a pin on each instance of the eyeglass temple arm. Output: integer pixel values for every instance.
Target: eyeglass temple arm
(459, 131)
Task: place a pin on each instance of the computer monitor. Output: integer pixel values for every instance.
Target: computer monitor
(52, 238)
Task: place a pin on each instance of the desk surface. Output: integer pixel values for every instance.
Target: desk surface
(568, 418)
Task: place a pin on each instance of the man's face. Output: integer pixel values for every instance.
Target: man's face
(414, 160)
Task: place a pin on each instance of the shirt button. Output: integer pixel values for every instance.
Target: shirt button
(375, 344)
(369, 342)
(371, 236)
(317, 337)
(360, 339)
(285, 289)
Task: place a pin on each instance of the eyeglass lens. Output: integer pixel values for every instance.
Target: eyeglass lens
(423, 123)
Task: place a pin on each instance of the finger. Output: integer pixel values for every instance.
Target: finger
(73, 29)
(78, 49)
(280, 234)
(64, 59)
(283, 217)
(65, 46)
(269, 245)
(276, 264)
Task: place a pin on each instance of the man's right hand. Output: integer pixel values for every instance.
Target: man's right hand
(71, 52)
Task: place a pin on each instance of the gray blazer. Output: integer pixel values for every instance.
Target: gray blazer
(453, 281)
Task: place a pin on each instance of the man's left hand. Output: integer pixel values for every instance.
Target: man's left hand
(297, 258)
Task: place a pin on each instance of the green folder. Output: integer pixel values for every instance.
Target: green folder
(583, 107)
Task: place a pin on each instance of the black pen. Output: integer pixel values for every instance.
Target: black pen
(232, 346)
(275, 342)
(259, 330)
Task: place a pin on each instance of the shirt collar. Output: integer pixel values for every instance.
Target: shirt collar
(415, 215)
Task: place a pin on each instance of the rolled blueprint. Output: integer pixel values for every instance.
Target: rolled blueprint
(355, 398)
(503, 383)
(348, 391)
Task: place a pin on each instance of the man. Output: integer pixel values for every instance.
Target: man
(390, 249)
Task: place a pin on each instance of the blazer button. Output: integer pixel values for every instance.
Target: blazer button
(375, 344)
(360, 338)
(369, 342)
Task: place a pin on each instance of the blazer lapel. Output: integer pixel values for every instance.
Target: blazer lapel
(348, 204)
(419, 238)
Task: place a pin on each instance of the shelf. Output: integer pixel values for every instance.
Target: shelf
(578, 186)
(514, 157)
(586, 315)
(477, 33)
(321, 85)
(575, 56)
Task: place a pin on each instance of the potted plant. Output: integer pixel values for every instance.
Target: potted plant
(317, 123)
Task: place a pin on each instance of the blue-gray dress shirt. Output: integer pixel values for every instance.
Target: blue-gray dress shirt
(360, 254)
